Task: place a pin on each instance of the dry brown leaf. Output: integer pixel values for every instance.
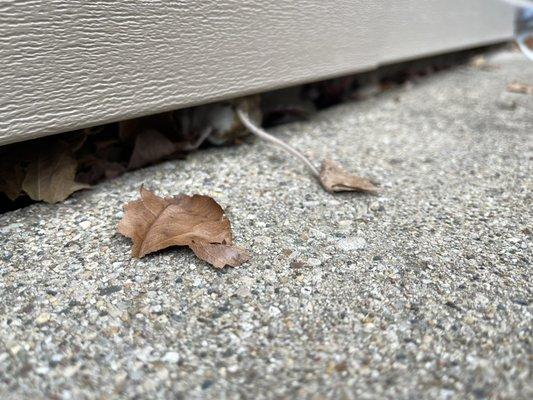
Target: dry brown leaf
(13, 161)
(155, 223)
(92, 170)
(150, 146)
(50, 175)
(517, 87)
(11, 177)
(335, 178)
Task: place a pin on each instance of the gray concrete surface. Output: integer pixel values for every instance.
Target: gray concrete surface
(421, 292)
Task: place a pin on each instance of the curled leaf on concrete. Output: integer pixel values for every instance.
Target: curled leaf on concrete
(155, 223)
(517, 87)
(335, 178)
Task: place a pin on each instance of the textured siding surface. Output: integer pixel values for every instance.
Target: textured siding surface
(72, 64)
(414, 28)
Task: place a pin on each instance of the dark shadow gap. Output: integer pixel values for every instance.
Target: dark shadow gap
(107, 151)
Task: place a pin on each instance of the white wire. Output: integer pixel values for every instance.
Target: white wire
(521, 40)
(256, 130)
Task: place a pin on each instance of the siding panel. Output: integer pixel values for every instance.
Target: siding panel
(72, 64)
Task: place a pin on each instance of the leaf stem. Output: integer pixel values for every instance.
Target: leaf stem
(258, 131)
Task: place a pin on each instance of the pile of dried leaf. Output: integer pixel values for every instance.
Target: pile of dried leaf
(44, 170)
(50, 169)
